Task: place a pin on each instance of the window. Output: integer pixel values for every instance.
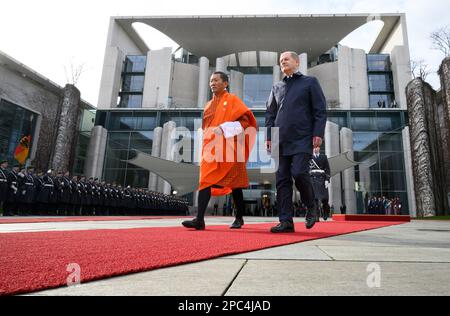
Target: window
(378, 63)
(135, 64)
(257, 89)
(132, 83)
(380, 83)
(15, 123)
(133, 78)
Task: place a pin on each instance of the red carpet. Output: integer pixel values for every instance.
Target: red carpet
(37, 261)
(80, 219)
(369, 217)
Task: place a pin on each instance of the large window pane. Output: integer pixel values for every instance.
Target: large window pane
(118, 141)
(132, 83)
(135, 63)
(257, 89)
(142, 141)
(122, 121)
(393, 161)
(368, 180)
(393, 181)
(364, 122)
(365, 141)
(391, 142)
(116, 159)
(378, 63)
(389, 122)
(182, 119)
(367, 160)
(145, 121)
(380, 83)
(131, 101)
(15, 123)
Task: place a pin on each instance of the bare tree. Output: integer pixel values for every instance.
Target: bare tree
(441, 40)
(419, 69)
(73, 72)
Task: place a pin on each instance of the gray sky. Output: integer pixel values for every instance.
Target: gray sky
(48, 35)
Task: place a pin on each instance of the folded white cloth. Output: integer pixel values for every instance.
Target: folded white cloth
(231, 129)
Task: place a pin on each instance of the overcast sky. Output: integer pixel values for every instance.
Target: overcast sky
(47, 35)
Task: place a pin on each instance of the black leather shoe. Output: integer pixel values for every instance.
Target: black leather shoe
(283, 227)
(195, 223)
(237, 224)
(325, 215)
(311, 218)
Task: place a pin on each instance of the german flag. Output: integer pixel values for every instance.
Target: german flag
(23, 149)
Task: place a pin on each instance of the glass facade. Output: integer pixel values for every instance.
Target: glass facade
(258, 82)
(82, 144)
(381, 87)
(133, 77)
(15, 123)
(377, 142)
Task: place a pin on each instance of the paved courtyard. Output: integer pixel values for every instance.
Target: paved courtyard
(409, 259)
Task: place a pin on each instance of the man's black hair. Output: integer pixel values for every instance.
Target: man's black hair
(223, 76)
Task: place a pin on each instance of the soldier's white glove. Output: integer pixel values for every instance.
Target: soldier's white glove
(327, 184)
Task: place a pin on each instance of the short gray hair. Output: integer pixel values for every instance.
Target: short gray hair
(293, 55)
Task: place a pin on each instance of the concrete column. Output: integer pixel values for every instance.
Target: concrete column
(156, 152)
(304, 63)
(332, 149)
(111, 78)
(203, 82)
(167, 144)
(220, 65)
(158, 77)
(67, 128)
(344, 77)
(349, 174)
(359, 81)
(409, 172)
(276, 74)
(401, 73)
(237, 83)
(96, 153)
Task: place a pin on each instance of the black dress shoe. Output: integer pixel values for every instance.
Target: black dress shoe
(283, 227)
(325, 215)
(195, 223)
(311, 218)
(237, 224)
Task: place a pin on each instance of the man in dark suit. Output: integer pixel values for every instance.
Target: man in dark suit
(297, 107)
(320, 176)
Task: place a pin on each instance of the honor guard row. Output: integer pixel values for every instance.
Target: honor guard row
(24, 192)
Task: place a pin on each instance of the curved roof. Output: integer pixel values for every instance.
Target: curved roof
(218, 36)
(183, 177)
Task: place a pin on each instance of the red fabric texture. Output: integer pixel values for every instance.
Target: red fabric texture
(37, 261)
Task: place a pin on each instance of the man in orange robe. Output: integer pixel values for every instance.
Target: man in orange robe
(225, 152)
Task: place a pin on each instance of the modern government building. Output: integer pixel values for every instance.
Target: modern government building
(145, 94)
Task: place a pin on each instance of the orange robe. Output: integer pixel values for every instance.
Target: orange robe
(228, 175)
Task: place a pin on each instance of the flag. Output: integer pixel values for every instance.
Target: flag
(23, 149)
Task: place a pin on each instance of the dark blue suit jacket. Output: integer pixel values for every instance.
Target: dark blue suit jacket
(297, 107)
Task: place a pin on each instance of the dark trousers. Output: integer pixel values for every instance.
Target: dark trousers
(205, 195)
(293, 167)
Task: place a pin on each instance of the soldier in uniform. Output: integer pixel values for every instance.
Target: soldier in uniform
(320, 178)
(26, 194)
(4, 187)
(10, 206)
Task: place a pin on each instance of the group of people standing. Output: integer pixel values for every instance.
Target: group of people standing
(384, 206)
(24, 192)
